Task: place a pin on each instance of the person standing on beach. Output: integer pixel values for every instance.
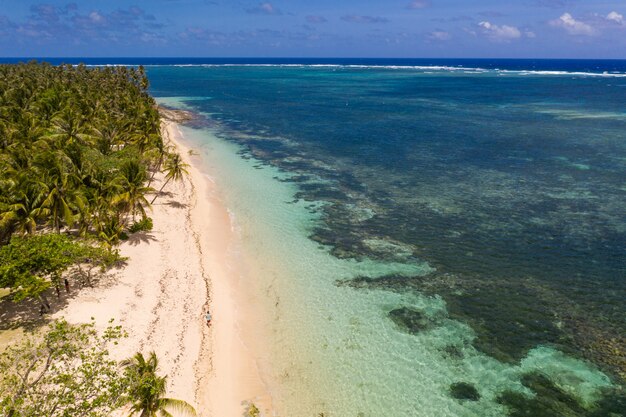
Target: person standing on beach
(207, 317)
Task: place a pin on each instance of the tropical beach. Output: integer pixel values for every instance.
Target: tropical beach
(407, 208)
(293, 248)
(206, 366)
(170, 277)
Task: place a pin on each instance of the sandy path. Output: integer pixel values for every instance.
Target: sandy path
(173, 274)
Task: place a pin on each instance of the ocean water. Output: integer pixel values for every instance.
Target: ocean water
(425, 238)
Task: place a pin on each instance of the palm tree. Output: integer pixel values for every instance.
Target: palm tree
(106, 137)
(133, 177)
(20, 212)
(109, 229)
(175, 169)
(62, 195)
(68, 128)
(157, 154)
(146, 390)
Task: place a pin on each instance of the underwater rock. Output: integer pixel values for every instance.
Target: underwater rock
(464, 391)
(410, 320)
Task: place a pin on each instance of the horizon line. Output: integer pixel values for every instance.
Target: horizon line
(312, 57)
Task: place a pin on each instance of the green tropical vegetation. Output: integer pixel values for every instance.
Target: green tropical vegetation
(79, 148)
(147, 389)
(76, 146)
(175, 169)
(65, 371)
(31, 265)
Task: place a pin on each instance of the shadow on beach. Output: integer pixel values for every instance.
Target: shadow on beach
(176, 204)
(26, 313)
(140, 237)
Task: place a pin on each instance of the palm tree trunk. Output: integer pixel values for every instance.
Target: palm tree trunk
(57, 224)
(160, 189)
(157, 169)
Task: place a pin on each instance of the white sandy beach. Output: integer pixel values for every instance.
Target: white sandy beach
(174, 273)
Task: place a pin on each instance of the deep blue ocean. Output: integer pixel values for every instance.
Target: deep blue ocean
(570, 65)
(508, 177)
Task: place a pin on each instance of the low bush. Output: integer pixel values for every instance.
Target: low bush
(143, 225)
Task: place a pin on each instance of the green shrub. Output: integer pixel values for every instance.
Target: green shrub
(143, 225)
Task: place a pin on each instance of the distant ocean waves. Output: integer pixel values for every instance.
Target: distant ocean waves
(423, 68)
(607, 68)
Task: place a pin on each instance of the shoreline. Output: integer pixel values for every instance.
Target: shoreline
(187, 255)
(234, 381)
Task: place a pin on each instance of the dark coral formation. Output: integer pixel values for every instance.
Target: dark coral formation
(525, 256)
(410, 320)
(508, 325)
(550, 400)
(464, 391)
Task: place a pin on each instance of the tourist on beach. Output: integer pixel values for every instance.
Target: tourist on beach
(207, 317)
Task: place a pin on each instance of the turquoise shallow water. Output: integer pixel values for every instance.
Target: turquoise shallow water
(333, 349)
(393, 268)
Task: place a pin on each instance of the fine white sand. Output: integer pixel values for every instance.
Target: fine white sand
(174, 273)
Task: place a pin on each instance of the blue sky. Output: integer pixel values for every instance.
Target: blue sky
(314, 28)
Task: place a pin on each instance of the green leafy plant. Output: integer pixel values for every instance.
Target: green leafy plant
(147, 389)
(143, 225)
(64, 370)
(30, 265)
(175, 169)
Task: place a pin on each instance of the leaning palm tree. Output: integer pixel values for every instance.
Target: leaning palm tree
(146, 389)
(175, 169)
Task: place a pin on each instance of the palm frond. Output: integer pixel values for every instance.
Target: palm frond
(179, 406)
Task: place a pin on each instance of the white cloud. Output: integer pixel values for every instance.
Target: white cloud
(265, 8)
(418, 4)
(95, 17)
(501, 33)
(364, 19)
(572, 26)
(439, 35)
(615, 17)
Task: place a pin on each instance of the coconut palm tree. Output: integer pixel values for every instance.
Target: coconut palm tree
(147, 389)
(24, 197)
(175, 169)
(62, 194)
(133, 198)
(69, 128)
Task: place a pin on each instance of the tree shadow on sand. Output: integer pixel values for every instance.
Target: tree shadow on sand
(161, 195)
(176, 204)
(140, 237)
(26, 313)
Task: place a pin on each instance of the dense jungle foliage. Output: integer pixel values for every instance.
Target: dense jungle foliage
(79, 147)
